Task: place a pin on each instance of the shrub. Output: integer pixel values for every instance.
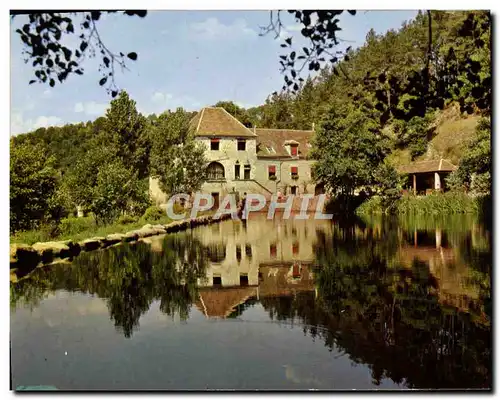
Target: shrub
(44, 234)
(370, 206)
(74, 225)
(153, 213)
(127, 219)
(437, 203)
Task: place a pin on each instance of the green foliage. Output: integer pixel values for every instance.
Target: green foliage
(153, 213)
(414, 134)
(438, 203)
(33, 186)
(373, 205)
(177, 160)
(125, 131)
(434, 204)
(43, 233)
(115, 189)
(474, 170)
(126, 219)
(389, 185)
(71, 226)
(438, 57)
(348, 148)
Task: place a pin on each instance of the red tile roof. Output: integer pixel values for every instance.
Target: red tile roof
(271, 142)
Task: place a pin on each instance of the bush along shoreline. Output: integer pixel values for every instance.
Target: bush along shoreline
(435, 203)
(28, 257)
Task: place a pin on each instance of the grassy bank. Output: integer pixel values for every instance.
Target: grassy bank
(436, 203)
(85, 227)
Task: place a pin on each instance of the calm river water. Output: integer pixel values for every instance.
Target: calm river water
(281, 304)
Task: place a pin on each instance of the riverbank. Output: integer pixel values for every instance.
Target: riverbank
(436, 203)
(41, 253)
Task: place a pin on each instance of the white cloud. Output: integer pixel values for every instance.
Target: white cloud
(91, 108)
(159, 97)
(44, 122)
(212, 28)
(20, 125)
(159, 102)
(47, 94)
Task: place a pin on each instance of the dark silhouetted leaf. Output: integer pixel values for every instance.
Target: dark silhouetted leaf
(103, 81)
(132, 56)
(52, 82)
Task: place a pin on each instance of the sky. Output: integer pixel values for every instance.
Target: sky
(187, 59)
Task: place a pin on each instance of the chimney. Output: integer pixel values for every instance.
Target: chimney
(313, 126)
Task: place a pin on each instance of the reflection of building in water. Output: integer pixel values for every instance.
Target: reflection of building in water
(237, 252)
(268, 258)
(453, 276)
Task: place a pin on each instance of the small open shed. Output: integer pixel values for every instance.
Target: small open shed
(427, 176)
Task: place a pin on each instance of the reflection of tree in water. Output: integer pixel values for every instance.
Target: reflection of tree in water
(130, 277)
(389, 318)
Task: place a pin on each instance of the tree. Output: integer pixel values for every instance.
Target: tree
(33, 185)
(116, 191)
(448, 57)
(474, 170)
(125, 130)
(176, 160)
(414, 134)
(237, 112)
(53, 62)
(348, 148)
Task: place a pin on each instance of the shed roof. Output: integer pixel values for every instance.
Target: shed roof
(427, 166)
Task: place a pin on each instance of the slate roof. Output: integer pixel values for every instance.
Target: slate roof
(427, 166)
(216, 121)
(276, 139)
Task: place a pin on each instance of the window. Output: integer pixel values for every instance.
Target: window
(248, 250)
(215, 171)
(294, 172)
(241, 144)
(238, 252)
(293, 190)
(295, 248)
(296, 271)
(273, 250)
(272, 172)
(217, 280)
(216, 252)
(237, 171)
(294, 150)
(214, 144)
(243, 279)
(246, 172)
